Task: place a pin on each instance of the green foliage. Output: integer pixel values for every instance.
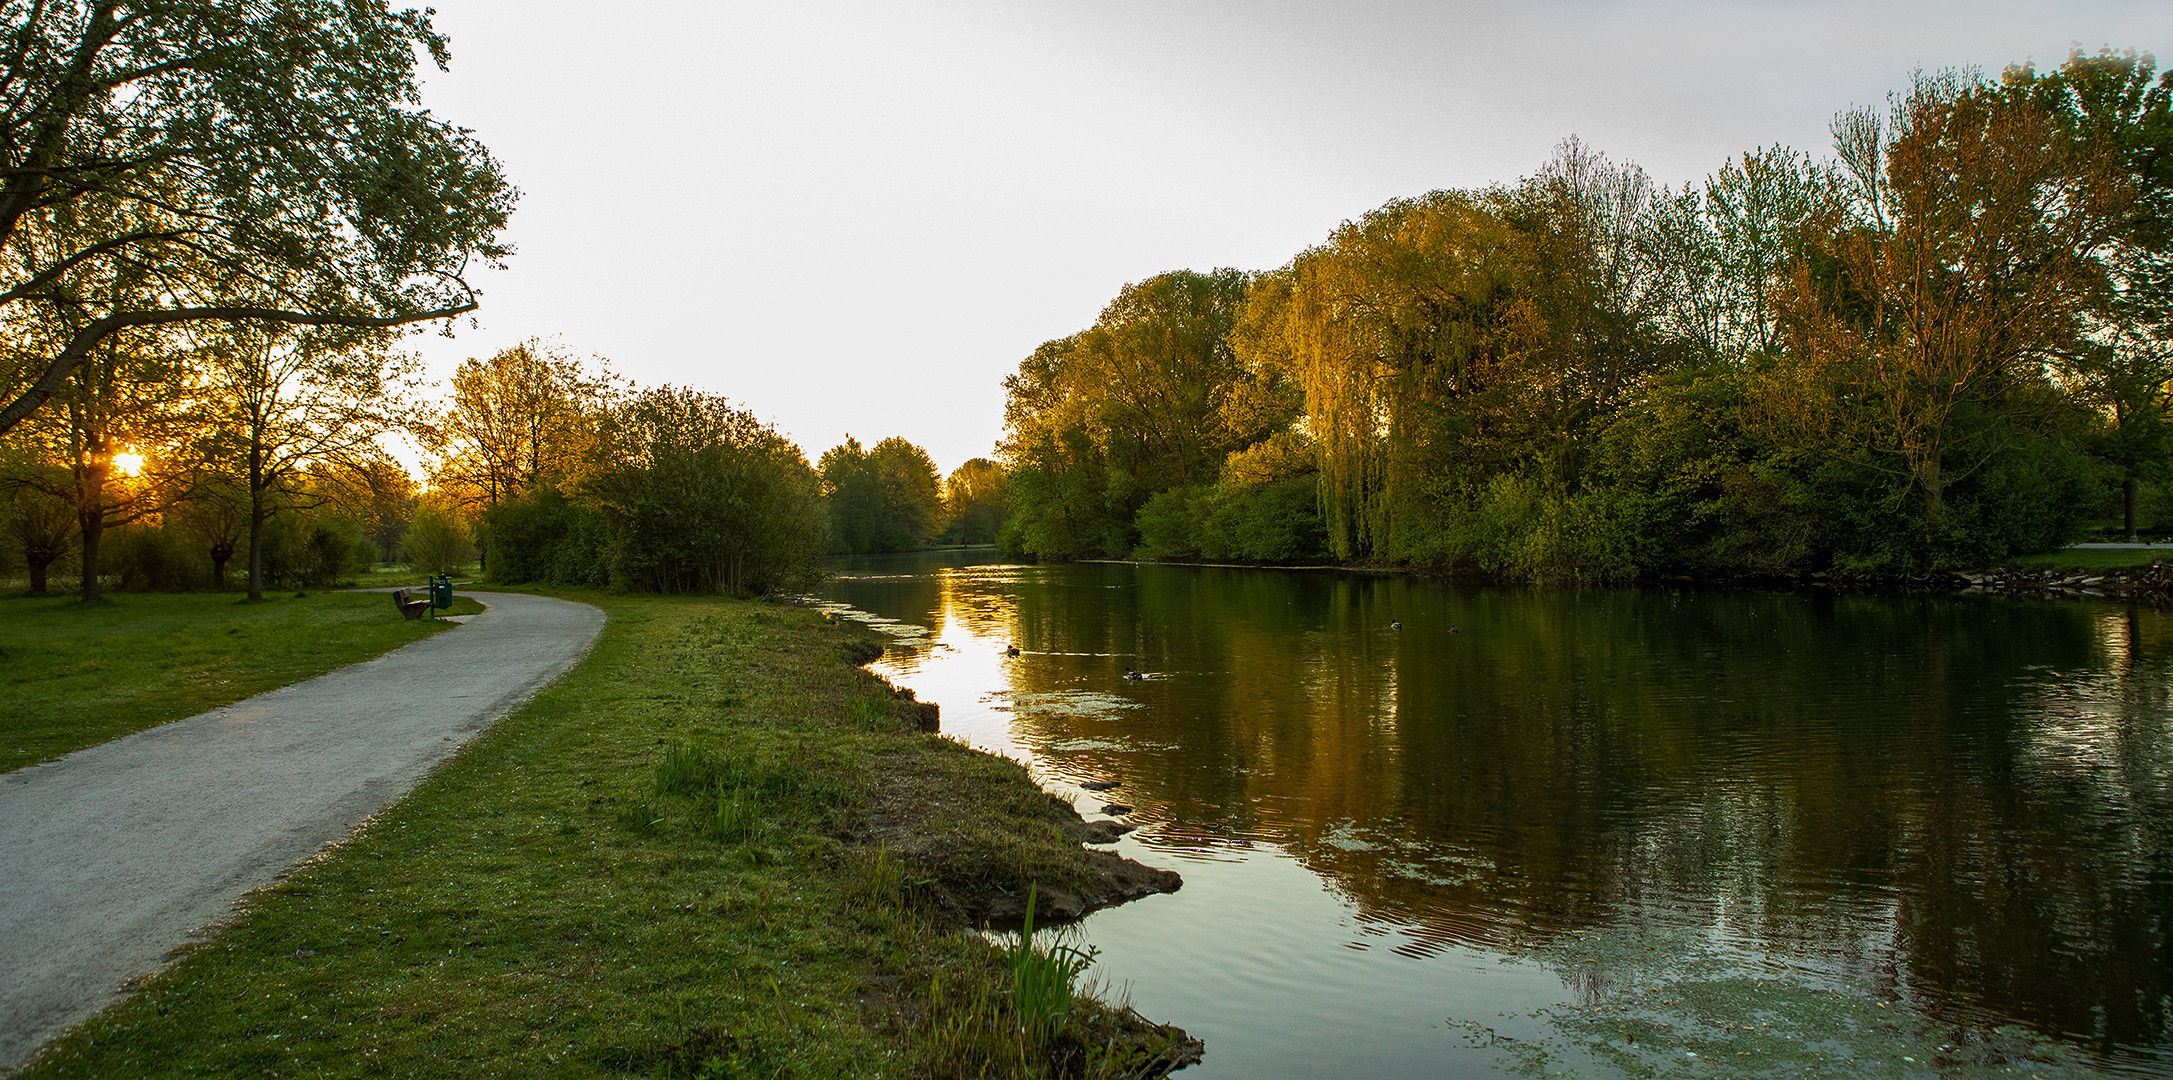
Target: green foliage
(1899, 358)
(205, 157)
(437, 542)
(1150, 398)
(700, 496)
(1277, 522)
(885, 499)
(544, 537)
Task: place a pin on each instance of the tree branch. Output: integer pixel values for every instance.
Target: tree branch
(86, 339)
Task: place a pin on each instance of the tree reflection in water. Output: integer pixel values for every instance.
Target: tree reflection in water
(1956, 803)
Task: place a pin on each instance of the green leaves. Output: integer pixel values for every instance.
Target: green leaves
(231, 161)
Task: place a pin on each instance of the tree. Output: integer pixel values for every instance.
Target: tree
(124, 409)
(976, 500)
(216, 513)
(1099, 422)
(885, 499)
(912, 495)
(2124, 367)
(249, 162)
(852, 496)
(383, 498)
(40, 522)
(521, 416)
(1966, 263)
(284, 403)
(703, 497)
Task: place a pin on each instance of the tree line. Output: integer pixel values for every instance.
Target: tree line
(266, 446)
(1944, 344)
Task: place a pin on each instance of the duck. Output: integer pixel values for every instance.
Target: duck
(1011, 650)
(1395, 626)
(1132, 676)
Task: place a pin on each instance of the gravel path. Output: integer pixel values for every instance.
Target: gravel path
(112, 857)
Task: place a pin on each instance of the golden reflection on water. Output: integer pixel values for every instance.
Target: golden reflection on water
(1964, 803)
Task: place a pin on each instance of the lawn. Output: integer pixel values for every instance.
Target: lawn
(76, 676)
(2095, 558)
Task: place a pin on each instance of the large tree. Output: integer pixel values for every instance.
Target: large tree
(285, 403)
(1966, 262)
(244, 161)
(523, 415)
(701, 496)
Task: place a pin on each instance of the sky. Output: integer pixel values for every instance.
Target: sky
(858, 216)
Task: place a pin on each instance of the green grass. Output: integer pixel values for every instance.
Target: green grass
(76, 676)
(666, 865)
(392, 575)
(2094, 558)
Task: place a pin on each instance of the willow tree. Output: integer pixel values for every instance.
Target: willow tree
(1393, 329)
(263, 162)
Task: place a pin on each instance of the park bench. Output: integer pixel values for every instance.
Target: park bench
(439, 595)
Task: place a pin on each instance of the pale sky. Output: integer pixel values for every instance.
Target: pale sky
(853, 216)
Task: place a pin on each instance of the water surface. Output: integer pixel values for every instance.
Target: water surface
(1385, 793)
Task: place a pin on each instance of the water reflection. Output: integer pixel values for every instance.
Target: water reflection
(1962, 802)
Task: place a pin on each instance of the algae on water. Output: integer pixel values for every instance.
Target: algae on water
(1677, 1005)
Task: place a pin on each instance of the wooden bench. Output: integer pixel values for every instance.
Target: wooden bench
(412, 609)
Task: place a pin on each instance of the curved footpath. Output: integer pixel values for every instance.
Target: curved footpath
(113, 857)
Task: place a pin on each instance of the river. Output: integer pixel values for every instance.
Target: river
(1439, 828)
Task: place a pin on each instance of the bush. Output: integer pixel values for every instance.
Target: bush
(545, 537)
(437, 542)
(305, 548)
(155, 559)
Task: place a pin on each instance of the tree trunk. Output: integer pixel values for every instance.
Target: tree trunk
(90, 519)
(2127, 499)
(93, 525)
(256, 523)
(221, 553)
(37, 571)
(1935, 490)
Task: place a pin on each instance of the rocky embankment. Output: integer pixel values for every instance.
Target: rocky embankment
(2153, 583)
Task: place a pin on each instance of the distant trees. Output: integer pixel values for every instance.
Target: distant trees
(888, 498)
(976, 502)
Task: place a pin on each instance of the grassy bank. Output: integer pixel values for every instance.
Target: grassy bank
(717, 848)
(2094, 558)
(76, 676)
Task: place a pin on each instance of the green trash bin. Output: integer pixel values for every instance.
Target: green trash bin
(441, 592)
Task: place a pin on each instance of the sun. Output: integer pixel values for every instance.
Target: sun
(128, 464)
